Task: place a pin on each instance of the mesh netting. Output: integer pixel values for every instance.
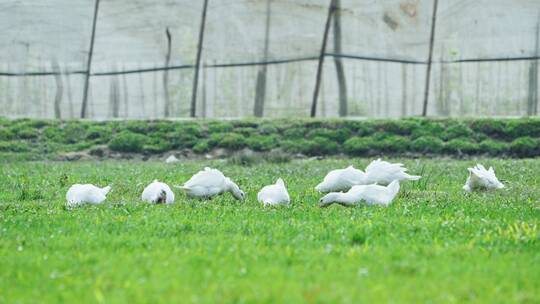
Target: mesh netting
(263, 54)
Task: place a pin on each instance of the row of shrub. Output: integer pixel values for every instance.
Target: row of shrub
(514, 137)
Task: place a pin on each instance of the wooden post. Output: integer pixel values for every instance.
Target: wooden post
(342, 80)
(59, 90)
(260, 89)
(430, 57)
(89, 63)
(198, 62)
(167, 105)
(331, 11)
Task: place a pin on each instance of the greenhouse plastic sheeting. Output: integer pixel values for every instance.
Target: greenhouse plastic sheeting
(384, 51)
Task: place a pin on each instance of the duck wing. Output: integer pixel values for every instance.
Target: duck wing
(208, 178)
(352, 176)
(384, 172)
(376, 195)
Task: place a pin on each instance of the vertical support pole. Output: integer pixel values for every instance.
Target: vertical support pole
(532, 105)
(89, 63)
(167, 105)
(342, 80)
(114, 96)
(331, 11)
(126, 93)
(430, 58)
(198, 62)
(260, 89)
(404, 90)
(204, 80)
(59, 89)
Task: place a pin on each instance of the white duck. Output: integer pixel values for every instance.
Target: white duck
(371, 194)
(210, 182)
(341, 180)
(274, 195)
(383, 173)
(377, 172)
(158, 193)
(86, 194)
(482, 179)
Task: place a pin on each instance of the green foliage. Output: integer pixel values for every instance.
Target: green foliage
(137, 126)
(219, 127)
(192, 129)
(99, 133)
(32, 123)
(157, 145)
(457, 131)
(336, 135)
(180, 140)
(428, 128)
(267, 128)
(14, 146)
(261, 143)
(493, 147)
(127, 141)
(294, 146)
(6, 134)
(428, 144)
(525, 147)
(247, 123)
(321, 146)
(247, 131)
(358, 239)
(392, 144)
(360, 128)
(295, 133)
(73, 133)
(232, 141)
(24, 132)
(201, 147)
(358, 146)
(523, 127)
(461, 146)
(397, 127)
(311, 137)
(492, 128)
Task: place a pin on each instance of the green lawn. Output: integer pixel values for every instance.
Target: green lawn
(433, 244)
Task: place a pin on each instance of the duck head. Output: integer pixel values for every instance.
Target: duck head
(106, 190)
(235, 190)
(329, 199)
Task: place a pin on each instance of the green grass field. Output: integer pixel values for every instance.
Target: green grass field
(434, 244)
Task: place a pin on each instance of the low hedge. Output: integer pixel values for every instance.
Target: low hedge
(495, 137)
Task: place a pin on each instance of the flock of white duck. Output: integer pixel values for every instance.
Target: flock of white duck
(377, 185)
